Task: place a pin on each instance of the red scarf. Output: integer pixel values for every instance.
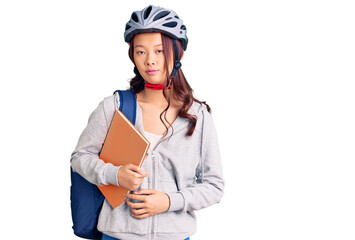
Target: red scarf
(154, 86)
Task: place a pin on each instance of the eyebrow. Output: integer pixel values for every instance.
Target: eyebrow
(143, 46)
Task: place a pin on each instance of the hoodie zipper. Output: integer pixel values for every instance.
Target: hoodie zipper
(153, 179)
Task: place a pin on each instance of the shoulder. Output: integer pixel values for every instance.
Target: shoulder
(108, 103)
(204, 118)
(198, 109)
(106, 108)
(109, 100)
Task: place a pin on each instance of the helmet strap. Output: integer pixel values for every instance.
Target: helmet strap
(177, 65)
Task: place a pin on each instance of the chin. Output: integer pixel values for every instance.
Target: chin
(153, 80)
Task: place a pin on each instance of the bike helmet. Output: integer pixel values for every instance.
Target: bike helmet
(156, 19)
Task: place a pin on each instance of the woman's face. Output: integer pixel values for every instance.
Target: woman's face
(148, 55)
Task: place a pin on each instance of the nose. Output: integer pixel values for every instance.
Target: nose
(150, 61)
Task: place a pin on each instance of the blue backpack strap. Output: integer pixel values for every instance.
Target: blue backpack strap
(85, 198)
(128, 104)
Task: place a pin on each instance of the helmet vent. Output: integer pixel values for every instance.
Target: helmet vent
(161, 15)
(127, 27)
(147, 12)
(176, 16)
(183, 27)
(170, 24)
(134, 17)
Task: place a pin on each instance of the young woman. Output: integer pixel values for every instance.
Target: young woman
(182, 171)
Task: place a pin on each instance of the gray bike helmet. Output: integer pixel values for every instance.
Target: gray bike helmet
(156, 19)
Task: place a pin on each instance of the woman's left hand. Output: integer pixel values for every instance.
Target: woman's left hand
(152, 202)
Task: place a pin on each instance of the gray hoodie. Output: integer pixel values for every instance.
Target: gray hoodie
(187, 169)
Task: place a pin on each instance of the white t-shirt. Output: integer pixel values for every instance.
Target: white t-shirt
(152, 138)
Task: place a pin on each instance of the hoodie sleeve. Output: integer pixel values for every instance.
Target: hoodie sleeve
(85, 158)
(209, 187)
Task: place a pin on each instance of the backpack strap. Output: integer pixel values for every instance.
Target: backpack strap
(128, 104)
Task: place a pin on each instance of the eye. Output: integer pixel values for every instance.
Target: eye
(140, 52)
(160, 51)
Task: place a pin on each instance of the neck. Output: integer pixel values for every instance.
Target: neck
(155, 97)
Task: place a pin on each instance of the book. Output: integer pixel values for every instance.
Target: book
(124, 144)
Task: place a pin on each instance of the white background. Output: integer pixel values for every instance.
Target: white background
(279, 76)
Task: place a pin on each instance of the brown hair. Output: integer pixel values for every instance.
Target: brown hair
(181, 88)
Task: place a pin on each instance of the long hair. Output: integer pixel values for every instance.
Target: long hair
(181, 88)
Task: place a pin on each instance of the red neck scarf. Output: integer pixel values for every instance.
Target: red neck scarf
(154, 86)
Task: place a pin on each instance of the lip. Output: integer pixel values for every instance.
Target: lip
(151, 71)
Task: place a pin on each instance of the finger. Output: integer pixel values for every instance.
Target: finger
(140, 216)
(136, 197)
(133, 205)
(134, 168)
(143, 173)
(139, 211)
(137, 175)
(145, 191)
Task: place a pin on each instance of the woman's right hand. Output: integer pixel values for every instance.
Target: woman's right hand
(131, 176)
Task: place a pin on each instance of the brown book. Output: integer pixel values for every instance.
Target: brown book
(124, 144)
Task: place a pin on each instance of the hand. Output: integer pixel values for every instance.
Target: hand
(153, 202)
(131, 176)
